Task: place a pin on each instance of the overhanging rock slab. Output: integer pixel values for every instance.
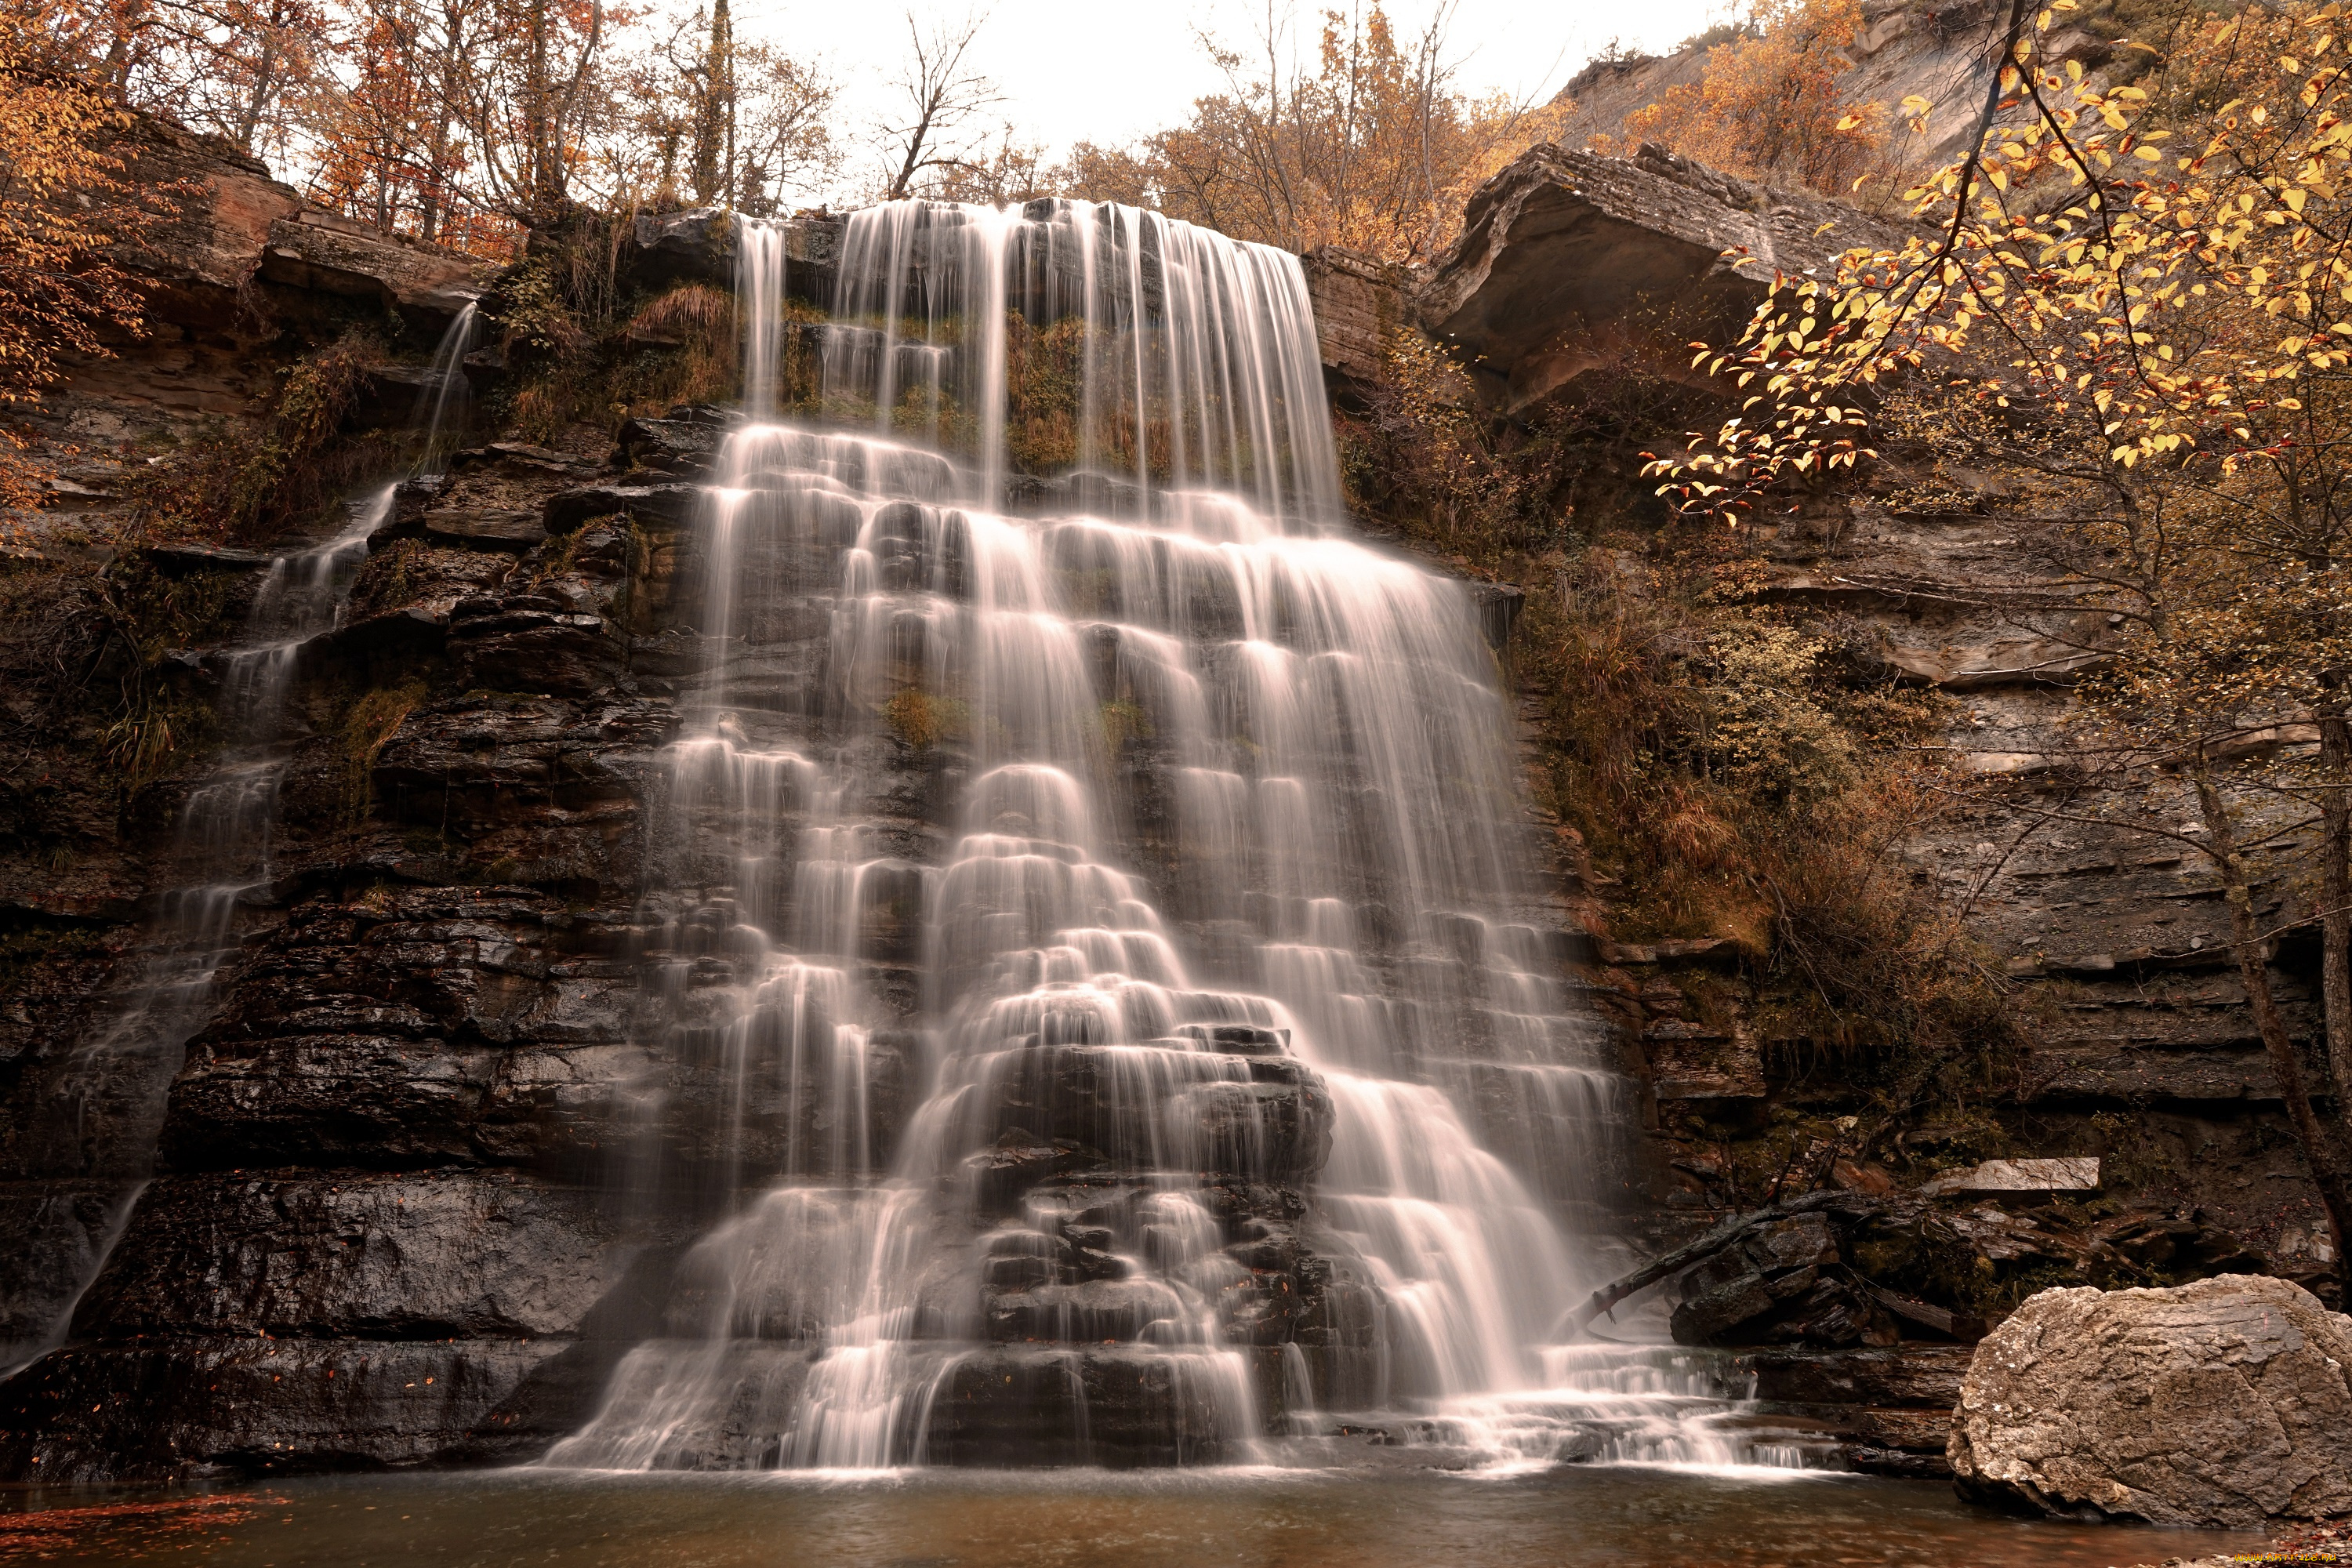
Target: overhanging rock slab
(1571, 261)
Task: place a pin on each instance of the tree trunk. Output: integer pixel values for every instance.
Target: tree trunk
(2335, 889)
(432, 209)
(2324, 1153)
(538, 115)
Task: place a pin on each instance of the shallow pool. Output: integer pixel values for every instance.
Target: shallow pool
(1376, 1512)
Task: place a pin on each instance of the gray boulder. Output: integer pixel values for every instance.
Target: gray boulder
(2228, 1402)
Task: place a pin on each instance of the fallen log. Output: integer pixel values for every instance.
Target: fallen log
(1722, 1236)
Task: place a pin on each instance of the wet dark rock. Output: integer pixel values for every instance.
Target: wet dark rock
(1017, 1272)
(413, 1256)
(697, 246)
(1087, 1311)
(1106, 1406)
(294, 1320)
(420, 1026)
(506, 647)
(2181, 1245)
(922, 548)
(180, 559)
(487, 530)
(1240, 1039)
(243, 1405)
(520, 459)
(387, 395)
(1142, 1114)
(1497, 606)
(675, 504)
(684, 446)
(1002, 1176)
(1926, 1376)
(1781, 1283)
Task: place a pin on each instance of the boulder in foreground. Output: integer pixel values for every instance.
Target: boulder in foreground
(2228, 1402)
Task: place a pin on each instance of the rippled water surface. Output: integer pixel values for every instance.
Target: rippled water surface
(1356, 1517)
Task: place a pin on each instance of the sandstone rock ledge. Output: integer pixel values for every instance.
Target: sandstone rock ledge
(2228, 1402)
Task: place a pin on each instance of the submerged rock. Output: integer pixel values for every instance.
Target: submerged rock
(2228, 1402)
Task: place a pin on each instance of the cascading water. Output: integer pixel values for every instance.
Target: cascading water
(1098, 890)
(105, 1107)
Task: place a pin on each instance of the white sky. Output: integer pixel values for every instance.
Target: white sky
(1108, 72)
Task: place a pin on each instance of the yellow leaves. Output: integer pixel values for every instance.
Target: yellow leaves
(2147, 154)
(64, 206)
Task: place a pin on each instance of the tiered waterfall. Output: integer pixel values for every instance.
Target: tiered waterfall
(1095, 898)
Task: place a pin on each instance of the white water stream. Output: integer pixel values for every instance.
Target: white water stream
(1064, 769)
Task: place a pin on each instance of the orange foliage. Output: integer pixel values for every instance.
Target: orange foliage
(1375, 150)
(1768, 106)
(64, 205)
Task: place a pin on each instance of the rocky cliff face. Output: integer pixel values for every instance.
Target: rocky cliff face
(379, 1200)
(1933, 50)
(381, 1225)
(2143, 1045)
(1570, 261)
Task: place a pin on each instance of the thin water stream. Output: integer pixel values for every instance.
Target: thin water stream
(104, 1111)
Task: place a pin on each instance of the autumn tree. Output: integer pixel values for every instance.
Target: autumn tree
(243, 70)
(1374, 148)
(66, 202)
(2132, 301)
(744, 122)
(534, 98)
(1768, 104)
(1012, 169)
(388, 134)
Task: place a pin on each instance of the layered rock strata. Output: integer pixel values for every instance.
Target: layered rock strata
(1570, 264)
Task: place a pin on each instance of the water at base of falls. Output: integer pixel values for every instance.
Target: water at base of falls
(1095, 922)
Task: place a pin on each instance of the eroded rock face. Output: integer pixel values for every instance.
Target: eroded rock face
(697, 246)
(1358, 303)
(1576, 266)
(2228, 1402)
(220, 220)
(322, 253)
(1570, 261)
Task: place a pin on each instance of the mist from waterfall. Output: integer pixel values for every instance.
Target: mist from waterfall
(1102, 888)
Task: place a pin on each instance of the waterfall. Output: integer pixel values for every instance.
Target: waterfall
(1116, 1011)
(104, 1111)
